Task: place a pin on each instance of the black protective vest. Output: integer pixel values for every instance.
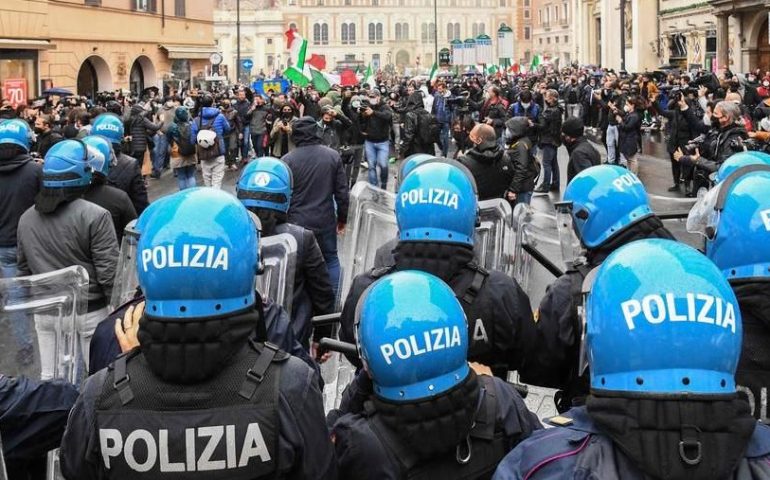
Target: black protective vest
(476, 458)
(223, 428)
(753, 375)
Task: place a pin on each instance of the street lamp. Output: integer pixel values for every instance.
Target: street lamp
(238, 40)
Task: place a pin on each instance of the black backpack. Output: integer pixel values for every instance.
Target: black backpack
(428, 128)
(185, 143)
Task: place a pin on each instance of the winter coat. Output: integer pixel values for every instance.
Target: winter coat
(127, 176)
(582, 155)
(181, 118)
(630, 134)
(525, 166)
(491, 168)
(220, 125)
(139, 128)
(19, 183)
(277, 138)
(549, 125)
(376, 127)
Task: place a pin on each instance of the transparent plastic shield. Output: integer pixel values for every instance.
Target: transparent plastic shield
(540, 231)
(371, 224)
(673, 213)
(40, 316)
(495, 236)
(571, 249)
(337, 373)
(279, 260)
(126, 281)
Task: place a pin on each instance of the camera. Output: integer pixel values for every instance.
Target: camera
(694, 144)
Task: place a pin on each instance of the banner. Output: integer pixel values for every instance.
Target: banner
(277, 85)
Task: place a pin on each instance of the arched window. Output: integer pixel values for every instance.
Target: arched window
(398, 31)
(352, 33)
(450, 31)
(316, 34)
(372, 33)
(405, 31)
(432, 31)
(324, 34)
(344, 33)
(424, 32)
(379, 33)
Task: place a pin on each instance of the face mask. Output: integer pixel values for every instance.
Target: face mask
(707, 120)
(374, 100)
(628, 109)
(286, 114)
(766, 84)
(39, 130)
(525, 105)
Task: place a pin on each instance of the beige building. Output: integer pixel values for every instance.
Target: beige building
(90, 46)
(742, 34)
(399, 34)
(553, 33)
(523, 31)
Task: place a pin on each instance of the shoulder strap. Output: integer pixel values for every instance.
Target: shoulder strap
(480, 275)
(269, 354)
(121, 379)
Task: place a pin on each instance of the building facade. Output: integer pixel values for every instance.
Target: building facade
(553, 32)
(91, 46)
(742, 34)
(397, 34)
(523, 31)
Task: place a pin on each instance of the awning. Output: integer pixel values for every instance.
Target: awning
(189, 52)
(22, 44)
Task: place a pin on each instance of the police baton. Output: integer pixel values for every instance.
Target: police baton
(333, 345)
(326, 320)
(542, 260)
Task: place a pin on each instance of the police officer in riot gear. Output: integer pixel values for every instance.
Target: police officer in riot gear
(199, 396)
(663, 341)
(265, 189)
(430, 415)
(436, 212)
(126, 174)
(735, 219)
(609, 208)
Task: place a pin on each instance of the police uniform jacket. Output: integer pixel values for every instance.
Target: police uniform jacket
(580, 450)
(753, 373)
(127, 176)
(116, 202)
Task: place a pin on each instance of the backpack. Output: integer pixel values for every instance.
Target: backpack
(428, 128)
(208, 140)
(572, 95)
(184, 143)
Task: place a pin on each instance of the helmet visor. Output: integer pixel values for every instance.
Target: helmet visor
(704, 217)
(570, 244)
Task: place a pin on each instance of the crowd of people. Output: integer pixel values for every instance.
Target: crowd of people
(657, 352)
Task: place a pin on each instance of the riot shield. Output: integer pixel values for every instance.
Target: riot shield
(337, 373)
(126, 281)
(537, 243)
(673, 212)
(371, 223)
(40, 317)
(495, 236)
(279, 261)
(539, 400)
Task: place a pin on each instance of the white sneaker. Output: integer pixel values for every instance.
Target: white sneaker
(365, 164)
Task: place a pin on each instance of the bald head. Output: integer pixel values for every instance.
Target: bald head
(483, 133)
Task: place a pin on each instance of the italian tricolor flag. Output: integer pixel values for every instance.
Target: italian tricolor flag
(297, 51)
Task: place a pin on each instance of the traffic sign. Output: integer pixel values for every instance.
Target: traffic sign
(247, 63)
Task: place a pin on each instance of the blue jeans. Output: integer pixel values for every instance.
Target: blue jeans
(185, 177)
(257, 141)
(245, 147)
(377, 156)
(444, 136)
(613, 156)
(550, 166)
(523, 197)
(159, 153)
(19, 326)
(327, 242)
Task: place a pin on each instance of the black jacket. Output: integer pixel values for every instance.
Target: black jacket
(549, 125)
(19, 183)
(320, 182)
(491, 168)
(139, 127)
(495, 112)
(127, 176)
(582, 155)
(116, 202)
(719, 144)
(45, 141)
(678, 131)
(331, 133)
(376, 127)
(351, 135)
(630, 134)
(412, 140)
(525, 166)
(754, 367)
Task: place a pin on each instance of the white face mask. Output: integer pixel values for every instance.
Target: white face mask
(525, 105)
(706, 120)
(628, 109)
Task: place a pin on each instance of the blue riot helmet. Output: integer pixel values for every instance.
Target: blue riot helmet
(266, 182)
(734, 216)
(16, 132)
(68, 164)
(102, 162)
(197, 256)
(109, 126)
(410, 163)
(661, 319)
(437, 202)
(738, 160)
(412, 336)
(605, 200)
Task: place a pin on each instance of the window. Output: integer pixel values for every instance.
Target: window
(150, 6)
(478, 29)
(375, 33)
(424, 32)
(557, 39)
(548, 40)
(379, 33)
(398, 31)
(556, 13)
(526, 13)
(320, 34)
(320, 3)
(94, 3)
(566, 39)
(502, 3)
(540, 16)
(527, 33)
(541, 41)
(565, 9)
(347, 3)
(344, 33)
(269, 41)
(402, 31)
(526, 3)
(450, 31)
(352, 33)
(375, 3)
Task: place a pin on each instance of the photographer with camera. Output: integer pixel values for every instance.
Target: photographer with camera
(678, 134)
(375, 119)
(724, 138)
(332, 124)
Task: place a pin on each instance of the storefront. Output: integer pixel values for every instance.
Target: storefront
(19, 77)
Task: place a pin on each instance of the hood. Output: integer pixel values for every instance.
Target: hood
(209, 112)
(433, 426)
(443, 260)
(486, 152)
(677, 438)
(195, 349)
(182, 115)
(14, 162)
(49, 199)
(414, 101)
(572, 146)
(518, 126)
(137, 110)
(305, 131)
